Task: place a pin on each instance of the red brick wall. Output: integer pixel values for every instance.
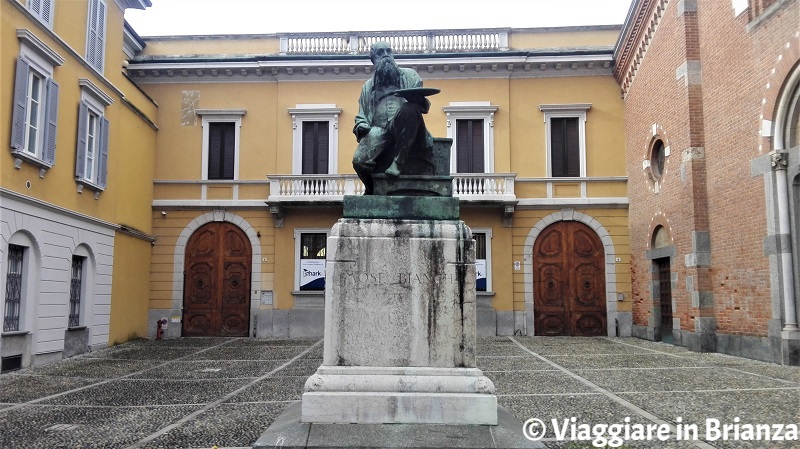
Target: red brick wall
(657, 98)
(724, 116)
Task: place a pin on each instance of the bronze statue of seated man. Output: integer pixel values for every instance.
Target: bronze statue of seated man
(389, 125)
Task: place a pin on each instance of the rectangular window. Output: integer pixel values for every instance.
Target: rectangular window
(469, 146)
(13, 303)
(75, 291)
(312, 261)
(565, 131)
(33, 141)
(315, 147)
(91, 146)
(35, 114)
(221, 150)
(96, 34)
(565, 147)
(480, 261)
(91, 162)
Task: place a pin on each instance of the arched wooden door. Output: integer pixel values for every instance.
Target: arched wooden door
(569, 281)
(216, 298)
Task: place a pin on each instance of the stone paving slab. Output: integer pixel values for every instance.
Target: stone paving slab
(91, 367)
(211, 369)
(260, 342)
(15, 388)
(677, 379)
(226, 425)
(250, 352)
(512, 363)
(274, 389)
(139, 352)
(788, 373)
(520, 382)
(129, 402)
(302, 367)
(590, 346)
(129, 392)
(623, 361)
(589, 409)
(38, 426)
(754, 407)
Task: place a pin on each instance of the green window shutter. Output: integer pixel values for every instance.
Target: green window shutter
(80, 152)
(49, 155)
(102, 172)
(20, 106)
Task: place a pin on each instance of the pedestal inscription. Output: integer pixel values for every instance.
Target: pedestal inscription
(400, 327)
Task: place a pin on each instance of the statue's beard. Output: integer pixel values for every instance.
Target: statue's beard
(387, 73)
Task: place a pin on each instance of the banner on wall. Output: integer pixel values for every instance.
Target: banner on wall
(312, 274)
(480, 274)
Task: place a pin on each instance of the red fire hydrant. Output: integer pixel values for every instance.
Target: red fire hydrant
(162, 323)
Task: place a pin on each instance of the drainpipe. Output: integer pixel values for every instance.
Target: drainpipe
(780, 162)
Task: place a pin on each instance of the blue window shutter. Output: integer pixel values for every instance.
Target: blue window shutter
(101, 33)
(102, 171)
(52, 121)
(80, 153)
(20, 106)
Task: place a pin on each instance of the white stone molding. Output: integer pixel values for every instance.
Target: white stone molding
(610, 264)
(179, 256)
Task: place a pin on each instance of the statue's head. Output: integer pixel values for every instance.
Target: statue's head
(380, 50)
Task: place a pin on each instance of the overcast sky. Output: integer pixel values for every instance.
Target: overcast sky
(177, 17)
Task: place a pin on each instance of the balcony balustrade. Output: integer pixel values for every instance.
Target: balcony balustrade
(472, 187)
(436, 41)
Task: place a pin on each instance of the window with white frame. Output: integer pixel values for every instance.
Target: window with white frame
(42, 10)
(471, 126)
(565, 135)
(91, 160)
(483, 259)
(310, 252)
(35, 108)
(96, 34)
(221, 142)
(315, 141)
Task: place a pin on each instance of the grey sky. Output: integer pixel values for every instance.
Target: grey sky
(176, 17)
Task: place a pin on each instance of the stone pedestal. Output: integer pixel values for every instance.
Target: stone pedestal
(400, 327)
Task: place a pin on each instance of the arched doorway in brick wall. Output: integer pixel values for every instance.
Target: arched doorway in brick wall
(216, 298)
(569, 281)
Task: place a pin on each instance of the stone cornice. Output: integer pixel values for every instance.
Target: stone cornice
(265, 68)
(637, 33)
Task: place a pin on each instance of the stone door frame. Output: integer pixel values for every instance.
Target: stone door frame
(613, 318)
(180, 257)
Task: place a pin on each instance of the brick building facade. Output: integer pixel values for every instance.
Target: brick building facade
(710, 90)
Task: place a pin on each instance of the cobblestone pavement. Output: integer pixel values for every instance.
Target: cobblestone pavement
(202, 392)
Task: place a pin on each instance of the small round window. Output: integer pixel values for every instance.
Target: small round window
(657, 155)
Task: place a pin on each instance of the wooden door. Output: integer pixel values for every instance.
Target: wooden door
(665, 297)
(569, 281)
(216, 299)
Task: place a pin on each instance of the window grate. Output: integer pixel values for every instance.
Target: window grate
(11, 363)
(13, 288)
(75, 291)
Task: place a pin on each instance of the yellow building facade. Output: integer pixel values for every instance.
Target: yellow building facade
(76, 186)
(253, 157)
